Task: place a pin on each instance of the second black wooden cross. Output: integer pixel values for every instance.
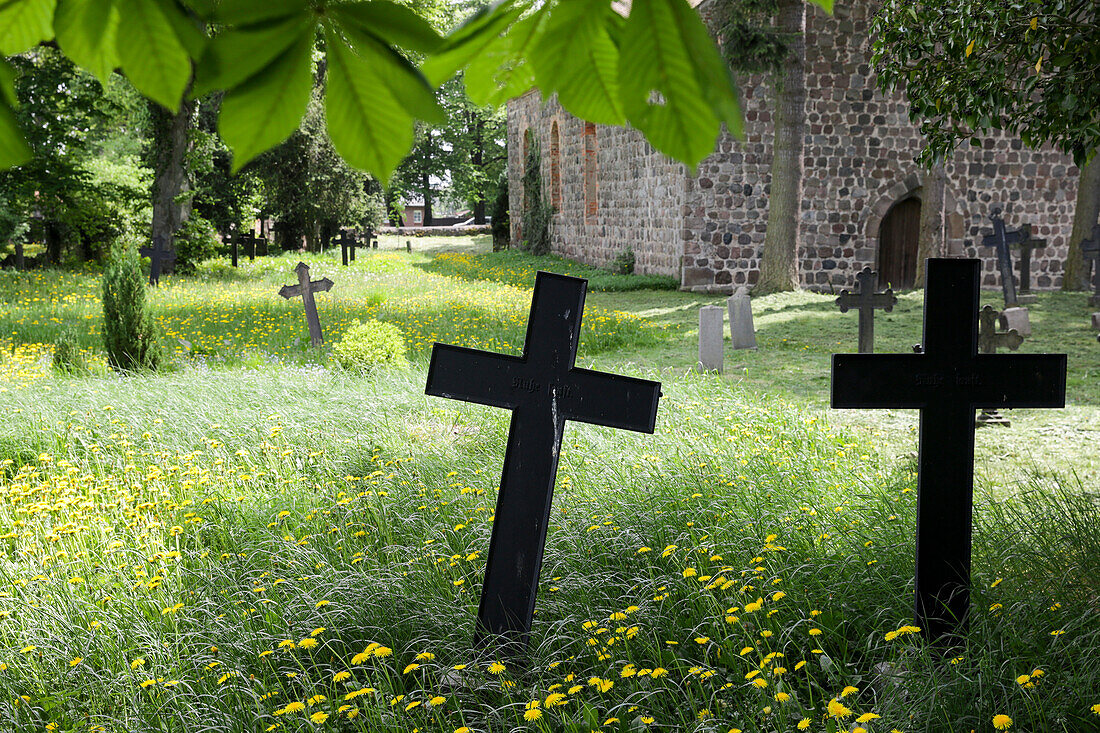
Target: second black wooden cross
(866, 300)
(1001, 241)
(346, 242)
(543, 389)
(1026, 244)
(159, 257)
(946, 383)
(306, 289)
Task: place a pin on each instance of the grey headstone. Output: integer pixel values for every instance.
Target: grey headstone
(742, 332)
(710, 339)
(1096, 320)
(1015, 318)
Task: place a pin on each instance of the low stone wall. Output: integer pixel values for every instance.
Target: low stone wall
(437, 231)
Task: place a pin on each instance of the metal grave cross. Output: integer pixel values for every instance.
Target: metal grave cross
(306, 289)
(543, 389)
(989, 340)
(947, 382)
(1001, 240)
(159, 257)
(346, 242)
(866, 300)
(1025, 244)
(1090, 251)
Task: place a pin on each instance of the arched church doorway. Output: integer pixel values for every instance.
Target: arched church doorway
(897, 244)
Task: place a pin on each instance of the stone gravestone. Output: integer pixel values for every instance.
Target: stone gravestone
(742, 332)
(408, 246)
(989, 340)
(710, 339)
(1026, 244)
(866, 300)
(346, 243)
(1000, 240)
(160, 258)
(947, 381)
(543, 389)
(1090, 251)
(306, 289)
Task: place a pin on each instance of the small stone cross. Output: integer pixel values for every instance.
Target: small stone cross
(1090, 251)
(989, 340)
(306, 289)
(1001, 240)
(866, 300)
(1025, 244)
(543, 388)
(946, 381)
(159, 257)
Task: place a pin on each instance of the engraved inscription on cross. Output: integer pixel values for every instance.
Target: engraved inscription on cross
(306, 289)
(1001, 241)
(866, 300)
(947, 382)
(1090, 251)
(346, 242)
(543, 389)
(159, 256)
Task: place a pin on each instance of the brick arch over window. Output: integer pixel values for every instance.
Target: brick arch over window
(591, 186)
(555, 167)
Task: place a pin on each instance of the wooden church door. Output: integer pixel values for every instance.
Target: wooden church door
(897, 245)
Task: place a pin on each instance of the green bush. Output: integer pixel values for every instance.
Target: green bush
(501, 222)
(623, 264)
(536, 211)
(129, 333)
(195, 241)
(67, 356)
(367, 345)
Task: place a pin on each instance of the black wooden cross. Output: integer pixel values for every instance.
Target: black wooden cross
(1001, 240)
(543, 389)
(369, 240)
(1090, 251)
(946, 383)
(866, 300)
(346, 242)
(306, 289)
(159, 258)
(1025, 244)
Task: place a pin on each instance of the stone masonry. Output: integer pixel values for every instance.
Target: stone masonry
(612, 191)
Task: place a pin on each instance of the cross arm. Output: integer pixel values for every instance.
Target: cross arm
(880, 381)
(460, 373)
(1019, 380)
(627, 403)
(290, 291)
(323, 285)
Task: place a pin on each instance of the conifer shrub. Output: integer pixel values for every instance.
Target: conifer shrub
(67, 356)
(536, 211)
(129, 333)
(368, 345)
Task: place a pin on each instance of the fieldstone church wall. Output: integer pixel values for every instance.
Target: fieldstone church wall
(859, 162)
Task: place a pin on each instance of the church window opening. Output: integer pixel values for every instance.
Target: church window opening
(897, 244)
(555, 167)
(590, 152)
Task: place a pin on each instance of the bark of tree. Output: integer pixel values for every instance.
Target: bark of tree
(779, 263)
(426, 186)
(1084, 217)
(477, 158)
(931, 239)
(171, 182)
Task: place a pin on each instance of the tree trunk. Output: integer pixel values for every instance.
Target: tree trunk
(1084, 217)
(478, 159)
(931, 239)
(172, 138)
(779, 260)
(427, 187)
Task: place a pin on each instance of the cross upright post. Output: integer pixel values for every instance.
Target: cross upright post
(158, 258)
(305, 289)
(1001, 240)
(947, 382)
(234, 240)
(347, 243)
(866, 300)
(543, 389)
(1090, 251)
(1026, 244)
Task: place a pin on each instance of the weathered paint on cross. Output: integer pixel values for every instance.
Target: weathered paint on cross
(1001, 240)
(866, 300)
(306, 289)
(1090, 251)
(946, 382)
(543, 389)
(1026, 244)
(158, 258)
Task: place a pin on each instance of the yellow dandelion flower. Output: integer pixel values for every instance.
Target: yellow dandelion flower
(316, 699)
(496, 668)
(866, 717)
(295, 707)
(382, 651)
(818, 632)
(319, 717)
(782, 697)
(437, 701)
(425, 657)
(75, 661)
(139, 662)
(532, 714)
(555, 698)
(148, 683)
(287, 644)
(1023, 679)
(411, 705)
(760, 682)
(658, 672)
(360, 657)
(837, 709)
(340, 676)
(1002, 722)
(307, 643)
(702, 639)
(689, 572)
(411, 667)
(849, 690)
(803, 724)
(322, 604)
(318, 631)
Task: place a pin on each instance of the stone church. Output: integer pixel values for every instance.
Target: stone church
(861, 194)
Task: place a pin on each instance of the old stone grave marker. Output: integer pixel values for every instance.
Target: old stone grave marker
(346, 242)
(989, 340)
(742, 332)
(1026, 244)
(543, 389)
(1000, 240)
(947, 381)
(866, 300)
(710, 339)
(408, 246)
(306, 289)
(1090, 251)
(160, 258)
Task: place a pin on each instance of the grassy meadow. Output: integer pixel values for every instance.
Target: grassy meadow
(255, 540)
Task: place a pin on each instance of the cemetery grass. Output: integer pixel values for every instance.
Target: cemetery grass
(257, 539)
